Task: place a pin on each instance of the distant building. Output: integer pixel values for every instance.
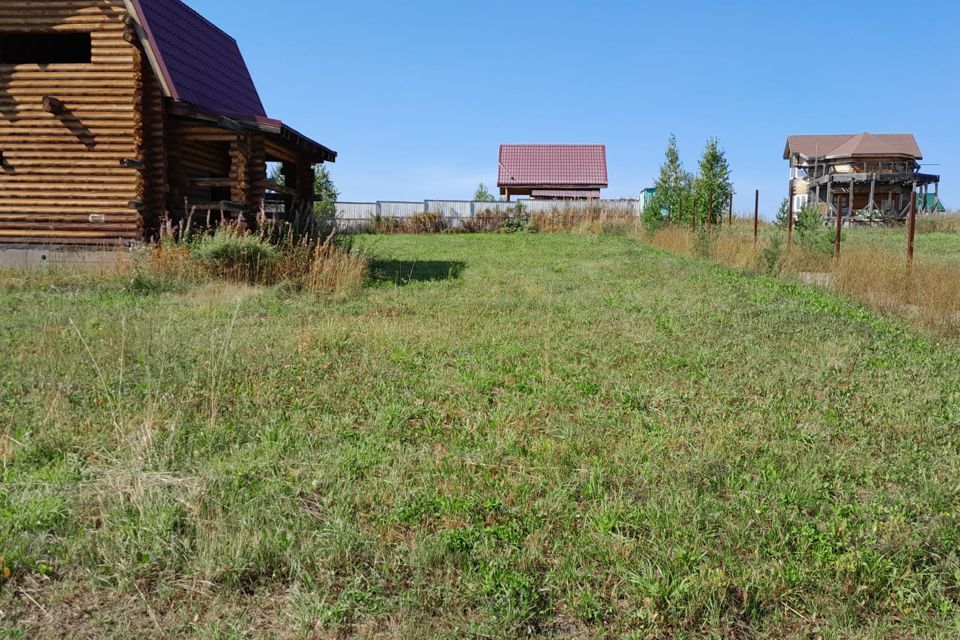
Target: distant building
(646, 197)
(931, 204)
(553, 171)
(847, 174)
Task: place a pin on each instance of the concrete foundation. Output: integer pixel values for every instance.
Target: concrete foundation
(39, 257)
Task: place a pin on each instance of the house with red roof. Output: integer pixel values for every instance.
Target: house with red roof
(553, 171)
(120, 116)
(866, 175)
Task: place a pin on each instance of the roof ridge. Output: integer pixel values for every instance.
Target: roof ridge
(552, 144)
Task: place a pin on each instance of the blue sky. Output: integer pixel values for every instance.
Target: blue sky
(417, 96)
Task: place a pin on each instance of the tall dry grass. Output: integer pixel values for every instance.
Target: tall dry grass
(594, 220)
(232, 254)
(927, 293)
(334, 269)
(674, 239)
(944, 223)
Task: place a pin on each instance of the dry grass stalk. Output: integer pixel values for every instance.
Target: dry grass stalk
(334, 270)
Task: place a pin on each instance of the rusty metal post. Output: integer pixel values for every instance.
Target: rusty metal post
(912, 223)
(756, 217)
(730, 217)
(839, 227)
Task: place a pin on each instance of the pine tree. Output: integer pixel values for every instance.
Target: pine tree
(670, 201)
(324, 187)
(782, 213)
(483, 194)
(712, 188)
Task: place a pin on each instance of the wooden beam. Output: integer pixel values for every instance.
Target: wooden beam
(212, 183)
(829, 195)
(273, 185)
(790, 215)
(839, 227)
(223, 205)
(904, 178)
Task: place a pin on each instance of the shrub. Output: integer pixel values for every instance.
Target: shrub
(810, 231)
(231, 253)
(429, 222)
(773, 254)
(704, 239)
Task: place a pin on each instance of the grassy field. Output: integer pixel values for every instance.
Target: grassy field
(501, 436)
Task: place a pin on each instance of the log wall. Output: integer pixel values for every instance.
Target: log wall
(61, 180)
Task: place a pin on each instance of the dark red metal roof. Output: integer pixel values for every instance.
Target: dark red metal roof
(200, 64)
(553, 165)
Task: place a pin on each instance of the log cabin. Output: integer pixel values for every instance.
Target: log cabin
(120, 116)
(870, 176)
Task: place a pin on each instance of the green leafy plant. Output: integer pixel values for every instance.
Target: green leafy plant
(230, 252)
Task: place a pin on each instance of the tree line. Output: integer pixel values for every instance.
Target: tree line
(686, 198)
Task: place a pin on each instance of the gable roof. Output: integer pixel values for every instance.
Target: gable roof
(553, 165)
(831, 147)
(197, 62)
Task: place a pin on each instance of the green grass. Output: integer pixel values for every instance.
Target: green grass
(938, 245)
(501, 436)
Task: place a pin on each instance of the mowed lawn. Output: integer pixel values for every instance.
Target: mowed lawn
(502, 436)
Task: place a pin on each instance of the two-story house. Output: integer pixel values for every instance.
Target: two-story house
(849, 174)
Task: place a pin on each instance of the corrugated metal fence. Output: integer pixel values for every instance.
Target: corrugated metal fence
(357, 214)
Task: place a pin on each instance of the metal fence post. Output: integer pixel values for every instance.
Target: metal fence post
(756, 216)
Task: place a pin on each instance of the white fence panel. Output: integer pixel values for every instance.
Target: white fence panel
(634, 207)
(356, 210)
(492, 207)
(547, 206)
(451, 208)
(390, 209)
